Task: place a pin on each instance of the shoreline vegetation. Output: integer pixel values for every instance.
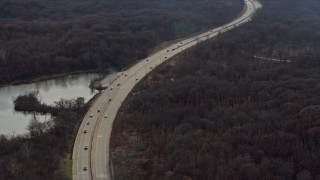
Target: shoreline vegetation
(95, 82)
(46, 151)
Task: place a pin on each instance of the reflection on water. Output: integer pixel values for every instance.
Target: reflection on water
(67, 87)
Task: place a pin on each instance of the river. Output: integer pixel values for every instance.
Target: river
(67, 87)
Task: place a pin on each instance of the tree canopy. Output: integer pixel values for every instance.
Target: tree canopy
(228, 115)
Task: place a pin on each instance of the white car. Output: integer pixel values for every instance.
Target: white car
(105, 116)
(91, 115)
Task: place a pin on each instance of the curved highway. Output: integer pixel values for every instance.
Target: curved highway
(91, 156)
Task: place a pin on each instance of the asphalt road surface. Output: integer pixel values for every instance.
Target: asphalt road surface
(91, 156)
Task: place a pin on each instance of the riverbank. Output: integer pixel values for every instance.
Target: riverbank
(46, 77)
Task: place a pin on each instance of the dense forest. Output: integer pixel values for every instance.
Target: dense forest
(45, 37)
(286, 29)
(217, 112)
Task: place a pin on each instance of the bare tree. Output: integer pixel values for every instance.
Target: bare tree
(13, 166)
(3, 55)
(27, 147)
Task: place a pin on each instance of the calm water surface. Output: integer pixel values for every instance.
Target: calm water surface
(67, 87)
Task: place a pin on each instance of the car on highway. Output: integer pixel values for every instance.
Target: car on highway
(86, 147)
(105, 116)
(91, 115)
(85, 131)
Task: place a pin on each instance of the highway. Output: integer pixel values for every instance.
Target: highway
(91, 156)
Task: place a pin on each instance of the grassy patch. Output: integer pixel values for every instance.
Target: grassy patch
(67, 168)
(114, 69)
